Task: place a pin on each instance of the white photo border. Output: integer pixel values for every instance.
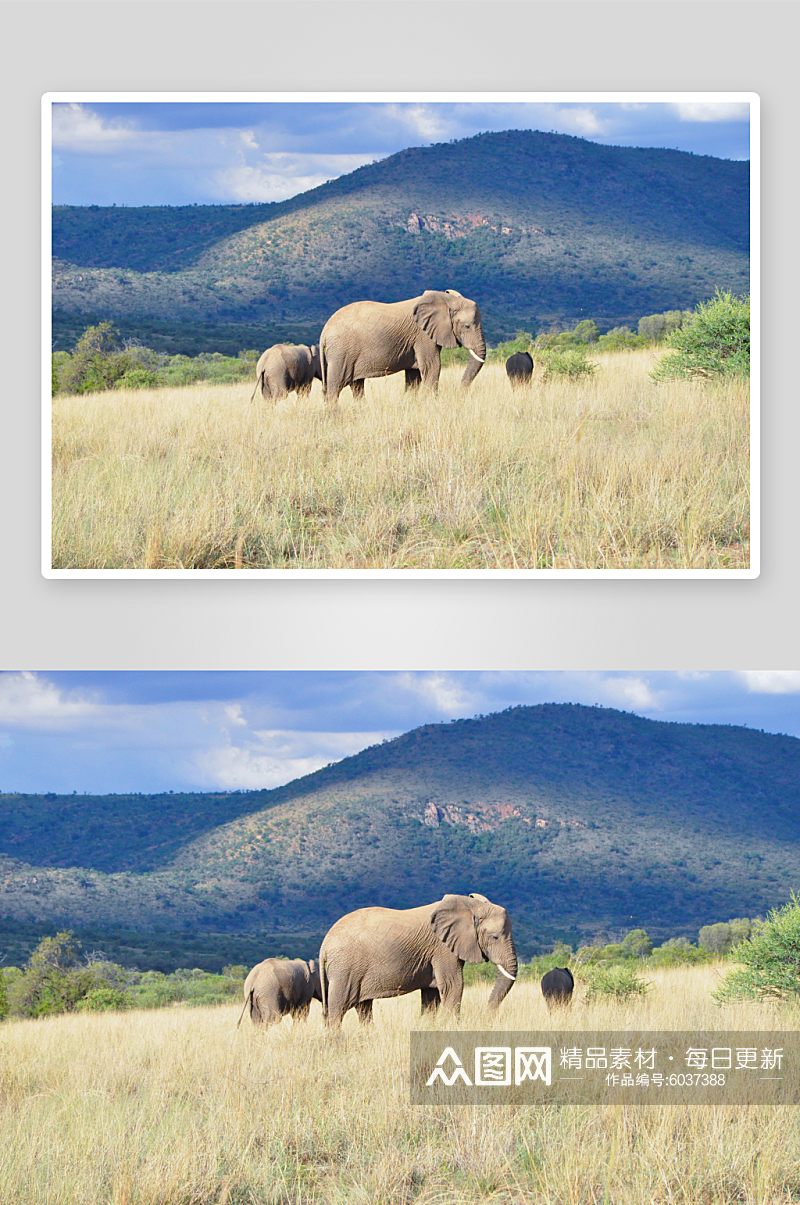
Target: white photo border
(751, 98)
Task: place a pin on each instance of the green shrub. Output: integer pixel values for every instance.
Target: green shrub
(621, 980)
(4, 1007)
(97, 361)
(564, 362)
(770, 960)
(140, 378)
(620, 338)
(105, 999)
(678, 951)
(715, 343)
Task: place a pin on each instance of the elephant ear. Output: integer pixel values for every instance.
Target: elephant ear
(432, 315)
(453, 922)
(312, 966)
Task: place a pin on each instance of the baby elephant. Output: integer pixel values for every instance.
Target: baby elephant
(557, 986)
(520, 368)
(287, 367)
(279, 986)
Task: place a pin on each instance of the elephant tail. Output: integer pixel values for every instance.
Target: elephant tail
(323, 983)
(247, 1000)
(323, 374)
(259, 381)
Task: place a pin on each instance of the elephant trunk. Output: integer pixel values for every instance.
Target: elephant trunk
(477, 356)
(506, 974)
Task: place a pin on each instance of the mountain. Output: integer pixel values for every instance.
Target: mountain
(540, 229)
(583, 821)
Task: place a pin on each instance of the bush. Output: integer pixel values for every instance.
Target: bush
(564, 362)
(140, 378)
(96, 363)
(3, 998)
(621, 980)
(105, 999)
(678, 951)
(770, 960)
(620, 338)
(715, 343)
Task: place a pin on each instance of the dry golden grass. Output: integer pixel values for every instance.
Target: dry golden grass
(612, 472)
(178, 1107)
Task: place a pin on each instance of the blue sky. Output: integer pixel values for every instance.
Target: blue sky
(124, 731)
(179, 153)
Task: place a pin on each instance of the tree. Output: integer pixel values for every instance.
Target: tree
(53, 981)
(769, 958)
(96, 362)
(716, 342)
(637, 944)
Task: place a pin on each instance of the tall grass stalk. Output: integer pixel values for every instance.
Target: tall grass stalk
(608, 472)
(178, 1107)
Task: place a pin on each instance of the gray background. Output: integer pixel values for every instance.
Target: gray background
(381, 46)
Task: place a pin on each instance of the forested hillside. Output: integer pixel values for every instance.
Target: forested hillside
(540, 229)
(580, 820)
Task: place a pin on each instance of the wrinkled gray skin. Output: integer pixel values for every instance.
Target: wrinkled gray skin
(520, 368)
(375, 339)
(376, 953)
(287, 367)
(279, 987)
(557, 986)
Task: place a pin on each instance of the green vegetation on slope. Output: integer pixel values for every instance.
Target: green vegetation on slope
(577, 819)
(538, 228)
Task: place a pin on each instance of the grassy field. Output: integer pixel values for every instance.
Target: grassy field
(178, 1107)
(610, 472)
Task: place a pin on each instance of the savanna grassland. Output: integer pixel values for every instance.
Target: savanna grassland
(178, 1106)
(608, 472)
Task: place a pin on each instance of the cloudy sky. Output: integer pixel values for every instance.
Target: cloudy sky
(158, 731)
(178, 153)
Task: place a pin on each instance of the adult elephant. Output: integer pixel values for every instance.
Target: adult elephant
(376, 953)
(557, 986)
(280, 987)
(520, 368)
(285, 368)
(375, 339)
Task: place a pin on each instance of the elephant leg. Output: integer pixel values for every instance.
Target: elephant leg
(364, 1010)
(430, 999)
(358, 390)
(300, 1013)
(413, 379)
(304, 390)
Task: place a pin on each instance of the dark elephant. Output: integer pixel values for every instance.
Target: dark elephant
(376, 953)
(287, 367)
(557, 986)
(375, 339)
(280, 987)
(520, 368)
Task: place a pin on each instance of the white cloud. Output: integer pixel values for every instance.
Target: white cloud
(275, 757)
(277, 176)
(233, 712)
(447, 696)
(772, 681)
(75, 127)
(421, 120)
(633, 691)
(580, 121)
(700, 111)
(28, 699)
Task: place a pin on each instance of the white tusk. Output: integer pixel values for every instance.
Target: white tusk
(475, 356)
(505, 972)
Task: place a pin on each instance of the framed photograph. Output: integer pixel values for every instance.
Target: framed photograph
(400, 335)
(250, 921)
